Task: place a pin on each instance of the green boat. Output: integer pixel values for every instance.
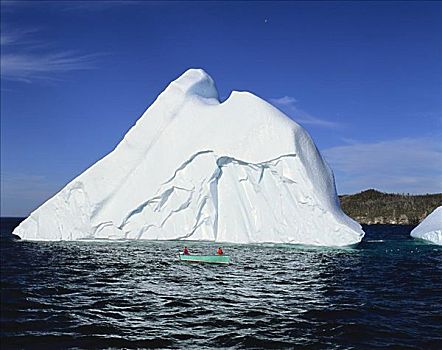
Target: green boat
(209, 259)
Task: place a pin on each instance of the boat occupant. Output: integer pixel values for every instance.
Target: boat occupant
(219, 251)
(186, 251)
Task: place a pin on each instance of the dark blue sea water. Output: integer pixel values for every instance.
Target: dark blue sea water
(384, 294)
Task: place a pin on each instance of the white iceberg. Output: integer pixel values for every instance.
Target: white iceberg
(193, 168)
(430, 229)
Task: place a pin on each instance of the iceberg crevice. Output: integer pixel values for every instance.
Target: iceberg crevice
(160, 210)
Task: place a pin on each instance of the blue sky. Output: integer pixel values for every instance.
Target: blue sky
(364, 78)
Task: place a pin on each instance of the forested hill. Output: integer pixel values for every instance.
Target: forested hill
(374, 207)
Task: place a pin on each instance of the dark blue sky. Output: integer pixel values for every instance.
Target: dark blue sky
(364, 78)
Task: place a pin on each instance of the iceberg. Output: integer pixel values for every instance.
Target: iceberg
(195, 168)
(430, 229)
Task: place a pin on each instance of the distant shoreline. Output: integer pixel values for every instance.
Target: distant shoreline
(374, 207)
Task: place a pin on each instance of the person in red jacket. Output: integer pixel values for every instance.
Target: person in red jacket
(186, 251)
(219, 251)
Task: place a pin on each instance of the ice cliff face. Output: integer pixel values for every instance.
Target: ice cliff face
(194, 168)
(430, 229)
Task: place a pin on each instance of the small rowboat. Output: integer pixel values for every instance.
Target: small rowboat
(209, 259)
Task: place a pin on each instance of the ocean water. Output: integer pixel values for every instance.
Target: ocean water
(386, 293)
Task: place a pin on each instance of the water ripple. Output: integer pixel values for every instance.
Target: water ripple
(384, 293)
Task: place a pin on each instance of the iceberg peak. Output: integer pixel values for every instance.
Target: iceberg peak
(195, 82)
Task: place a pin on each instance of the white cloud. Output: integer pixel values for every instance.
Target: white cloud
(16, 37)
(94, 5)
(25, 59)
(288, 105)
(30, 67)
(8, 38)
(7, 6)
(408, 165)
(284, 101)
(11, 5)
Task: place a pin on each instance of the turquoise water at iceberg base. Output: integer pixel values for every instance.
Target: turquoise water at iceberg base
(386, 293)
